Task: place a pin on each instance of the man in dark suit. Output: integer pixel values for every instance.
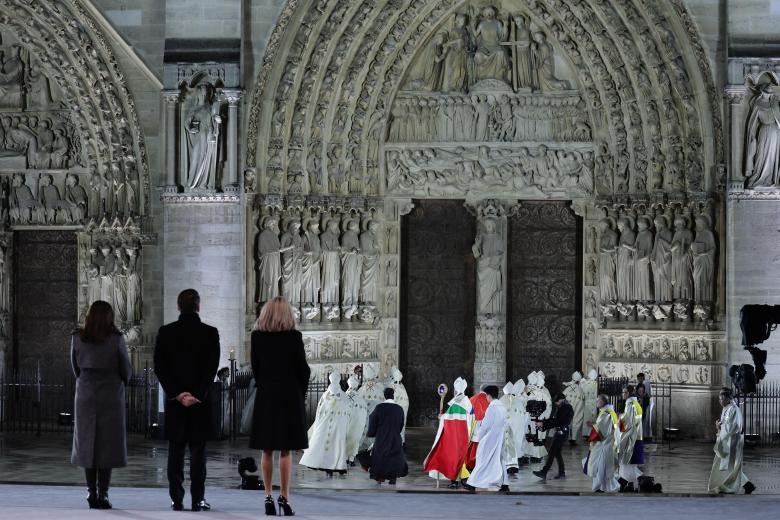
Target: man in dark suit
(186, 358)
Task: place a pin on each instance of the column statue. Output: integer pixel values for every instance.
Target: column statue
(682, 265)
(762, 155)
(661, 259)
(106, 275)
(119, 279)
(311, 279)
(607, 250)
(703, 250)
(201, 128)
(134, 292)
(269, 268)
(369, 276)
(643, 248)
(351, 267)
(488, 249)
(93, 276)
(3, 282)
(625, 260)
(291, 249)
(331, 274)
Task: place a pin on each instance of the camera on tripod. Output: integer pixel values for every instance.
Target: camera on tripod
(535, 410)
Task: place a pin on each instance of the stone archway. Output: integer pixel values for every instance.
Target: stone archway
(338, 75)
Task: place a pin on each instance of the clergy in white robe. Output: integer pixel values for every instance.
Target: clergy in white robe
(372, 392)
(630, 444)
(518, 416)
(358, 418)
(599, 465)
(590, 391)
(573, 393)
(727, 475)
(490, 471)
(328, 435)
(510, 452)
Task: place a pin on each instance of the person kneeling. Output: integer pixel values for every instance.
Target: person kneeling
(385, 425)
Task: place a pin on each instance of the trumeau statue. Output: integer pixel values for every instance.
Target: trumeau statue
(762, 154)
(488, 249)
(202, 129)
(269, 269)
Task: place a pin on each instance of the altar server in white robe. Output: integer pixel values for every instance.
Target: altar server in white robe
(573, 393)
(600, 462)
(510, 451)
(401, 397)
(358, 417)
(590, 392)
(373, 391)
(631, 453)
(519, 418)
(328, 435)
(727, 475)
(490, 471)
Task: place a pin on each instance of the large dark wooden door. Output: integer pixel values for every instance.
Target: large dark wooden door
(437, 302)
(45, 298)
(544, 265)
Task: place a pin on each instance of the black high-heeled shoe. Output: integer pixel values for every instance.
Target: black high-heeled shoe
(92, 500)
(270, 508)
(103, 502)
(284, 507)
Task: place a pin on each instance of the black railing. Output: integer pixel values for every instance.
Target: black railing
(657, 423)
(761, 414)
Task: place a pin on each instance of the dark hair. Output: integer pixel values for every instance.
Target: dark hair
(642, 386)
(604, 398)
(389, 393)
(640, 374)
(630, 389)
(558, 397)
(99, 323)
(491, 390)
(188, 301)
(726, 393)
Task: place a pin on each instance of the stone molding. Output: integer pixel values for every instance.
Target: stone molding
(199, 198)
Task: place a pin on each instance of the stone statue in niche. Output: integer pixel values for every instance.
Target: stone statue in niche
(488, 249)
(490, 59)
(76, 197)
(134, 292)
(268, 257)
(762, 154)
(703, 251)
(625, 260)
(291, 250)
(607, 251)
(202, 129)
(331, 272)
(369, 276)
(119, 279)
(544, 65)
(682, 265)
(522, 73)
(311, 280)
(23, 207)
(661, 259)
(643, 248)
(351, 267)
(455, 73)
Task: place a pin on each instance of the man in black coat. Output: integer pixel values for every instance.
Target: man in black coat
(186, 358)
(561, 421)
(385, 425)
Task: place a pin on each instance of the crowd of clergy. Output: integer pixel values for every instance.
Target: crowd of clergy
(483, 439)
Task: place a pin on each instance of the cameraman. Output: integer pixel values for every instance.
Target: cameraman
(561, 422)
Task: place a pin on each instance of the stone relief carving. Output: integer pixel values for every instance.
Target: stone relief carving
(48, 198)
(439, 171)
(762, 133)
(326, 263)
(201, 130)
(648, 272)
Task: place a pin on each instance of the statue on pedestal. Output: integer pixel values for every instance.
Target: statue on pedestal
(291, 249)
(625, 260)
(267, 255)
(643, 248)
(311, 279)
(331, 272)
(661, 259)
(762, 155)
(703, 250)
(488, 249)
(607, 250)
(201, 128)
(369, 276)
(351, 267)
(682, 265)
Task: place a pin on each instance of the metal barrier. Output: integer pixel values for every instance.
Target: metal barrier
(659, 424)
(761, 414)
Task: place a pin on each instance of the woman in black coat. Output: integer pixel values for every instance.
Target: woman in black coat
(102, 369)
(282, 377)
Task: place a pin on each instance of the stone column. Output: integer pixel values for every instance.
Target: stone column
(171, 99)
(490, 250)
(230, 180)
(736, 96)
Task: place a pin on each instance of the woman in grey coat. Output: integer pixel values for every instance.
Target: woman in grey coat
(102, 368)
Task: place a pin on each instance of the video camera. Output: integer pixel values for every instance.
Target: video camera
(535, 410)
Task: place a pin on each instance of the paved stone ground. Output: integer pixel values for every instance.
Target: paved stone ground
(682, 469)
(20, 502)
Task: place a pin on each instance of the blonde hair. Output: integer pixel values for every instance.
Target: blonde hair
(276, 316)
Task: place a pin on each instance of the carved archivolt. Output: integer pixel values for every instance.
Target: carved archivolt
(71, 48)
(335, 70)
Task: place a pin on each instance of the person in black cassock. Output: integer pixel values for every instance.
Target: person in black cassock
(186, 359)
(561, 421)
(385, 425)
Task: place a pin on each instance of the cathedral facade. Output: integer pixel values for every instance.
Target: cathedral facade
(476, 188)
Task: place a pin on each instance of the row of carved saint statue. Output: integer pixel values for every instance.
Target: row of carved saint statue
(651, 270)
(114, 276)
(324, 274)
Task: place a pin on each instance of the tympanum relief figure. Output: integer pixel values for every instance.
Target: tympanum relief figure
(490, 57)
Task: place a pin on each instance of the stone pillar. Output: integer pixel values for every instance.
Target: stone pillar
(171, 99)
(736, 117)
(490, 250)
(230, 181)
